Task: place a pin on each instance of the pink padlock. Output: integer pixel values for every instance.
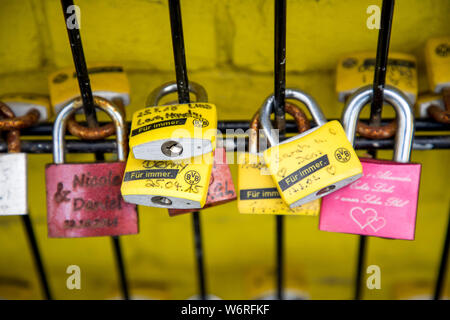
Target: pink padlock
(383, 202)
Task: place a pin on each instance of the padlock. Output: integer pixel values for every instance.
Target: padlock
(437, 105)
(312, 164)
(221, 188)
(437, 59)
(356, 70)
(383, 202)
(174, 132)
(257, 191)
(180, 184)
(83, 199)
(22, 103)
(13, 172)
(108, 81)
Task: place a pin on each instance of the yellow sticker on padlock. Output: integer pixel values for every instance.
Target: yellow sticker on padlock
(173, 132)
(21, 103)
(181, 184)
(108, 81)
(258, 193)
(312, 164)
(437, 59)
(357, 69)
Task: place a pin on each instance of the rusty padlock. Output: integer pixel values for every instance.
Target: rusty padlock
(13, 166)
(383, 202)
(83, 199)
(174, 132)
(257, 191)
(221, 188)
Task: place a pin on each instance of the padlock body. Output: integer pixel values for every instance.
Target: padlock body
(192, 126)
(108, 81)
(221, 188)
(13, 184)
(382, 203)
(356, 70)
(437, 59)
(84, 200)
(21, 103)
(182, 184)
(257, 193)
(312, 164)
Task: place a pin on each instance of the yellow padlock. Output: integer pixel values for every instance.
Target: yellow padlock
(257, 191)
(21, 103)
(108, 81)
(313, 164)
(181, 184)
(437, 59)
(174, 132)
(356, 70)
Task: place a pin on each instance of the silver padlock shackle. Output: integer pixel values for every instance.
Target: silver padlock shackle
(295, 94)
(59, 127)
(405, 118)
(171, 87)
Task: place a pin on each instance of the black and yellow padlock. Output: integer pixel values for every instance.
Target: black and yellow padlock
(22, 103)
(180, 184)
(108, 81)
(356, 70)
(174, 132)
(257, 191)
(436, 105)
(312, 164)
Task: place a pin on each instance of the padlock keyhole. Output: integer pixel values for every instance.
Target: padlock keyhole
(162, 201)
(172, 148)
(325, 190)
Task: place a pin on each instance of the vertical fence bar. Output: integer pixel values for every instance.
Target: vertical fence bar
(379, 81)
(440, 281)
(176, 26)
(91, 116)
(279, 95)
(26, 220)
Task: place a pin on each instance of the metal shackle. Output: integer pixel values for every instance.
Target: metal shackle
(59, 127)
(295, 94)
(171, 87)
(405, 118)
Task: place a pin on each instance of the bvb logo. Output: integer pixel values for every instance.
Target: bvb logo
(192, 177)
(442, 50)
(200, 123)
(342, 155)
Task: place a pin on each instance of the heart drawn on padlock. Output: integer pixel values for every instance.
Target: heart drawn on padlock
(377, 223)
(331, 170)
(361, 217)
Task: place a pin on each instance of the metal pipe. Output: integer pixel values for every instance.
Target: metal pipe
(176, 26)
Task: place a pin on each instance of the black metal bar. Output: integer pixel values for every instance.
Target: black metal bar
(121, 266)
(360, 266)
(37, 256)
(379, 79)
(91, 116)
(280, 64)
(280, 256)
(280, 121)
(421, 143)
(440, 281)
(80, 64)
(421, 125)
(176, 26)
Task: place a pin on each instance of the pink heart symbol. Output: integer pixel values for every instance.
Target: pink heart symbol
(377, 223)
(361, 217)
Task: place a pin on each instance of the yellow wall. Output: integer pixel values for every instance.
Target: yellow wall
(229, 46)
